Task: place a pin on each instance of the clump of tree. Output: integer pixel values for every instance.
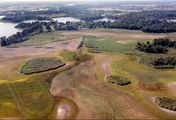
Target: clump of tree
(167, 103)
(164, 62)
(150, 48)
(160, 45)
(118, 80)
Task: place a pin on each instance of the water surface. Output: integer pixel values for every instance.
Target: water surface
(66, 19)
(104, 19)
(8, 29)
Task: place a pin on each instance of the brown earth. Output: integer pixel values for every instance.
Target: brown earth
(34, 51)
(94, 98)
(172, 88)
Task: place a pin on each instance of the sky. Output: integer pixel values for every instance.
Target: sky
(61, 0)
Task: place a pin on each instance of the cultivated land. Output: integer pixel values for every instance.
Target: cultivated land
(80, 89)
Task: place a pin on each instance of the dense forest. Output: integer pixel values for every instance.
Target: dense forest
(156, 21)
(153, 21)
(20, 16)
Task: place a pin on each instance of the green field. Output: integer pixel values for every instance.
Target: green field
(109, 44)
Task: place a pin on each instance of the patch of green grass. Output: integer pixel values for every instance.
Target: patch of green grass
(129, 66)
(44, 38)
(93, 51)
(108, 44)
(68, 56)
(119, 30)
(31, 98)
(41, 64)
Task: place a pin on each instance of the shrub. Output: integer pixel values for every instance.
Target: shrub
(167, 103)
(118, 80)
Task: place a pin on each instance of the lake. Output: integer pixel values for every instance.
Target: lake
(7, 29)
(104, 19)
(60, 19)
(31, 21)
(66, 19)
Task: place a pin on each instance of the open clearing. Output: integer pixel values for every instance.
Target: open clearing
(79, 90)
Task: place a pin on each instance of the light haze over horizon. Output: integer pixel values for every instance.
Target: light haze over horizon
(69, 0)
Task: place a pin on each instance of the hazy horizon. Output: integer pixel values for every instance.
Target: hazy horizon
(77, 0)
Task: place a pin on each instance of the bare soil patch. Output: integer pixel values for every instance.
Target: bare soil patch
(63, 111)
(35, 51)
(172, 88)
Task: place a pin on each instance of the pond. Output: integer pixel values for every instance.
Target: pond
(59, 19)
(104, 19)
(31, 21)
(66, 19)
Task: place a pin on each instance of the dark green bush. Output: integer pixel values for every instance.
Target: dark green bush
(118, 80)
(167, 103)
